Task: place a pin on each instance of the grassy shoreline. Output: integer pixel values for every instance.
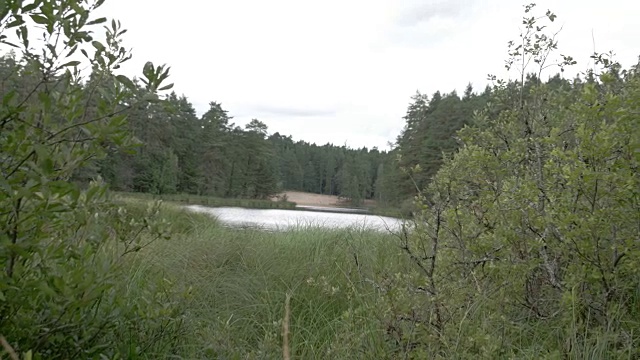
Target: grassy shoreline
(189, 199)
(238, 281)
(353, 295)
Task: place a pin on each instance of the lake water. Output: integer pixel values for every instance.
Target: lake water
(274, 219)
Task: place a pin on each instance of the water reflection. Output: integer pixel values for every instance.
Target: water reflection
(273, 219)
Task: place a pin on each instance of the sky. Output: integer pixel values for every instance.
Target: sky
(344, 71)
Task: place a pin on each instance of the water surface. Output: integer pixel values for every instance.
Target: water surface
(276, 219)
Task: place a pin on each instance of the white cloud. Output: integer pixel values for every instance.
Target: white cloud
(352, 63)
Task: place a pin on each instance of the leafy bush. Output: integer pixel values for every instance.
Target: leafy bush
(66, 289)
(526, 244)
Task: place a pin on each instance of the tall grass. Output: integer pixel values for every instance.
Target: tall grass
(342, 285)
(238, 281)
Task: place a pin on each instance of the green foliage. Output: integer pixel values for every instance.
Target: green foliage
(429, 135)
(228, 161)
(65, 251)
(328, 169)
(239, 280)
(354, 180)
(179, 153)
(526, 244)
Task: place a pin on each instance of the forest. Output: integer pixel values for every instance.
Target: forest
(521, 201)
(180, 153)
(173, 151)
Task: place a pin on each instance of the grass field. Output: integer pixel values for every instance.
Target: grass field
(352, 296)
(239, 280)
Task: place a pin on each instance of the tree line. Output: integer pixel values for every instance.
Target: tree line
(176, 151)
(180, 152)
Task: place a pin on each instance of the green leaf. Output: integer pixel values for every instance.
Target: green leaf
(7, 97)
(126, 82)
(53, 50)
(166, 87)
(17, 22)
(4, 185)
(42, 151)
(71, 63)
(17, 248)
(45, 99)
(97, 21)
(46, 289)
(98, 45)
(150, 97)
(46, 165)
(24, 35)
(164, 74)
(100, 61)
(77, 8)
(31, 7)
(9, 43)
(62, 187)
(39, 19)
(73, 50)
(4, 10)
(148, 70)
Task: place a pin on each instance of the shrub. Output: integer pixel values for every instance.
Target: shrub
(66, 250)
(526, 244)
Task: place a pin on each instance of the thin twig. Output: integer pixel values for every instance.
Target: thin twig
(286, 350)
(7, 347)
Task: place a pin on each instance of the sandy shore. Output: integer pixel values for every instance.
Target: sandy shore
(309, 199)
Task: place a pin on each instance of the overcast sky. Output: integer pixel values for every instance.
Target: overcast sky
(343, 71)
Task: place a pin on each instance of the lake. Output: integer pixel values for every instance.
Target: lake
(275, 219)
